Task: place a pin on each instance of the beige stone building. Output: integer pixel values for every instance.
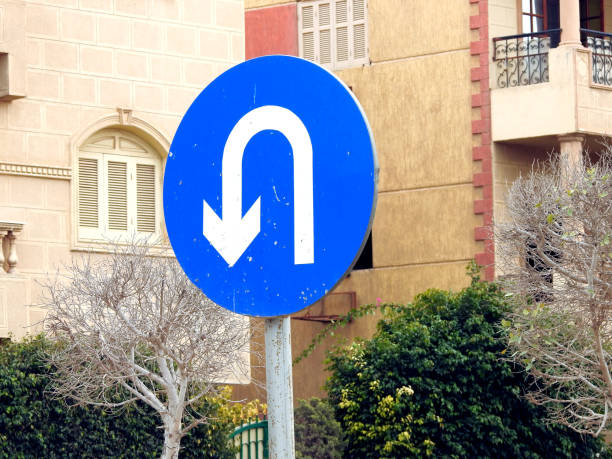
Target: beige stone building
(462, 95)
(91, 93)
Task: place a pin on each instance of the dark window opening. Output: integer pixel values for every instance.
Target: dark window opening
(591, 15)
(535, 262)
(539, 15)
(553, 21)
(365, 260)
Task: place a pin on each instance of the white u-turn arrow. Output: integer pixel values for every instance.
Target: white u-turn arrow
(233, 234)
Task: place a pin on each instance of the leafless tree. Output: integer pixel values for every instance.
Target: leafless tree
(132, 327)
(555, 253)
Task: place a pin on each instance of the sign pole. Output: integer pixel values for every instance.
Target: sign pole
(236, 228)
(279, 385)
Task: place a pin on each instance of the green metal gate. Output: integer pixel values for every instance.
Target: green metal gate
(252, 439)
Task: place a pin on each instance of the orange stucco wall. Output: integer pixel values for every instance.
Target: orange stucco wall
(417, 92)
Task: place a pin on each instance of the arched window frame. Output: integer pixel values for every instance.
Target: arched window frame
(144, 134)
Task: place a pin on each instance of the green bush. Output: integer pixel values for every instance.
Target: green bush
(35, 425)
(432, 382)
(317, 433)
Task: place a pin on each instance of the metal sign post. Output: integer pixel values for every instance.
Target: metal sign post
(269, 196)
(279, 384)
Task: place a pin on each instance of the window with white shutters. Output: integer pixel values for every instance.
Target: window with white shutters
(145, 198)
(119, 187)
(333, 33)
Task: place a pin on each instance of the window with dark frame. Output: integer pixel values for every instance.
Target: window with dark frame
(533, 16)
(540, 15)
(591, 15)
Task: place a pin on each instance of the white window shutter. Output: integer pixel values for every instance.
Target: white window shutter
(359, 10)
(88, 193)
(308, 47)
(342, 45)
(117, 190)
(359, 41)
(145, 198)
(324, 12)
(342, 32)
(341, 11)
(118, 194)
(324, 22)
(325, 47)
(307, 15)
(307, 31)
(333, 33)
(360, 50)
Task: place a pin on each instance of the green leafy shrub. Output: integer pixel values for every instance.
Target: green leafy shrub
(432, 382)
(317, 433)
(34, 425)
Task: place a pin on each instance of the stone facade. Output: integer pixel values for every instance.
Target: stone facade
(74, 67)
(449, 140)
(416, 92)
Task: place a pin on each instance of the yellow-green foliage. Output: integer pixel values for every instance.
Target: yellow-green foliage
(431, 382)
(238, 413)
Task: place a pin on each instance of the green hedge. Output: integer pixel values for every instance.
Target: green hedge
(317, 434)
(432, 382)
(34, 425)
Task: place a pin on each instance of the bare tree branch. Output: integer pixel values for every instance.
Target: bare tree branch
(555, 254)
(131, 326)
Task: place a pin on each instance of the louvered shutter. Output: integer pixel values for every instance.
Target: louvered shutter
(117, 191)
(88, 193)
(359, 30)
(324, 21)
(145, 198)
(342, 32)
(333, 33)
(307, 32)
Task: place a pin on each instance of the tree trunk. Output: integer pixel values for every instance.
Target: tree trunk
(172, 436)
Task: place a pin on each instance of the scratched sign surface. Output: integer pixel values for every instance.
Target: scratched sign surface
(270, 186)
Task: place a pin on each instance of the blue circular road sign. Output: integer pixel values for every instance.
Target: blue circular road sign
(270, 186)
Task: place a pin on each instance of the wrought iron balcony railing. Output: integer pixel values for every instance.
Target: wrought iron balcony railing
(601, 49)
(522, 59)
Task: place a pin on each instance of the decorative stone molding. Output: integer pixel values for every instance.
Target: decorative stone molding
(125, 116)
(63, 173)
(481, 135)
(8, 252)
(123, 119)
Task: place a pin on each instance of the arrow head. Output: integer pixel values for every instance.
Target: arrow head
(231, 236)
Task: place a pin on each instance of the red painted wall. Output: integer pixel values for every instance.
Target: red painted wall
(271, 30)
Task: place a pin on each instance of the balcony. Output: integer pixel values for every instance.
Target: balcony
(600, 47)
(541, 90)
(522, 60)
